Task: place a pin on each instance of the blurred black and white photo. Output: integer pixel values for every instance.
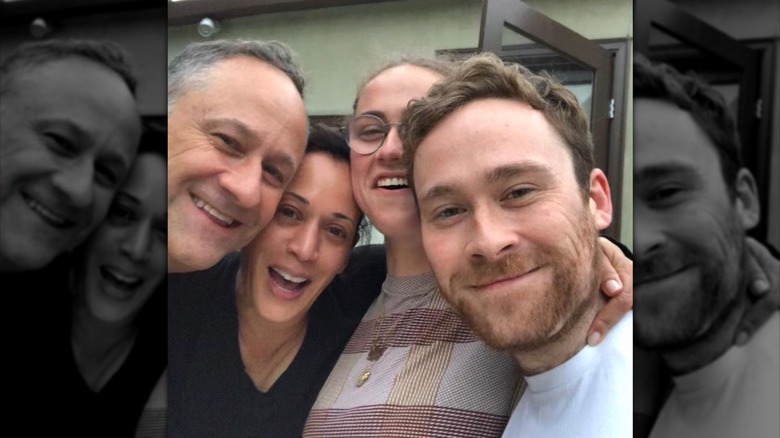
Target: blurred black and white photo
(83, 224)
(707, 225)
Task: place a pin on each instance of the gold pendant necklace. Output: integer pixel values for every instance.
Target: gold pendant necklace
(378, 345)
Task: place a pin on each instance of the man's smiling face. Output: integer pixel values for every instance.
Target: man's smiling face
(234, 144)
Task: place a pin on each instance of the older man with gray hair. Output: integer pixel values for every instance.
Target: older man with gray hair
(236, 134)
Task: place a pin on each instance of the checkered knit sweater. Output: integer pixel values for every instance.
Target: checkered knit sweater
(436, 379)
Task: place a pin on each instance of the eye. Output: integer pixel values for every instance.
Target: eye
(338, 232)
(60, 144)
(120, 214)
(285, 212)
(448, 213)
(667, 194)
(519, 193)
(371, 132)
(276, 175)
(106, 175)
(228, 144)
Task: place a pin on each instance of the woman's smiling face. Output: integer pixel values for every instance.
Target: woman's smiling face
(126, 257)
(306, 244)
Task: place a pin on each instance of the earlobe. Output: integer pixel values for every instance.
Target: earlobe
(748, 208)
(600, 199)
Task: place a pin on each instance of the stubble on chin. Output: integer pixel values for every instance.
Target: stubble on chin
(528, 319)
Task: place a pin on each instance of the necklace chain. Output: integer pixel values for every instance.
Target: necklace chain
(379, 343)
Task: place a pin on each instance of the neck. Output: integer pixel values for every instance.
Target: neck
(712, 344)
(565, 343)
(406, 256)
(174, 267)
(267, 347)
(99, 348)
(96, 338)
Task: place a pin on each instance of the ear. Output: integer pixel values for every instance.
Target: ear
(600, 201)
(746, 202)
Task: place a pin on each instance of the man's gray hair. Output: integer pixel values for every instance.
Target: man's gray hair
(190, 68)
(31, 55)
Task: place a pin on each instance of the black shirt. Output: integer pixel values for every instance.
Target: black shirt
(209, 392)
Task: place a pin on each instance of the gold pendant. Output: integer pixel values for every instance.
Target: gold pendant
(362, 378)
(376, 351)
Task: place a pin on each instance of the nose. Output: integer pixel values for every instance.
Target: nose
(305, 244)
(392, 148)
(649, 237)
(75, 182)
(491, 238)
(138, 242)
(242, 181)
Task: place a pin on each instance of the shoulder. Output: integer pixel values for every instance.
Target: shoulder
(352, 291)
(190, 283)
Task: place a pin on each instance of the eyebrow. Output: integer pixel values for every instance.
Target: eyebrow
(380, 114)
(80, 136)
(665, 170)
(493, 176)
(248, 134)
(126, 196)
(510, 171)
(241, 127)
(305, 201)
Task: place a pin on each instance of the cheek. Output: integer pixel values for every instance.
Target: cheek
(157, 264)
(443, 250)
(268, 204)
(708, 227)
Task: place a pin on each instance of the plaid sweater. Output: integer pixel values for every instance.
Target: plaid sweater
(436, 379)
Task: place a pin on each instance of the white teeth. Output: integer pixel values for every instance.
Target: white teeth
(123, 278)
(46, 212)
(289, 277)
(389, 182)
(227, 220)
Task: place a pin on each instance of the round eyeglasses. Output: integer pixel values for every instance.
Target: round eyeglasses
(367, 133)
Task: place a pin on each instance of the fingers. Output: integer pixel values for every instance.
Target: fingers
(615, 309)
(616, 279)
(763, 273)
(763, 270)
(613, 268)
(753, 319)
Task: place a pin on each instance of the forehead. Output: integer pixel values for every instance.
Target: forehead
(83, 97)
(665, 134)
(487, 134)
(255, 94)
(321, 177)
(71, 75)
(391, 90)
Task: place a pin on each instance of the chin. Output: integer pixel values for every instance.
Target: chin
(110, 313)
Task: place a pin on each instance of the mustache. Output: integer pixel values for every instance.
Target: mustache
(487, 273)
(662, 265)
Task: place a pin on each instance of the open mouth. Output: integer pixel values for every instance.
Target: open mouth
(392, 183)
(48, 216)
(287, 281)
(218, 217)
(122, 281)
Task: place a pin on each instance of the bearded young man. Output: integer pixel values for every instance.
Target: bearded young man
(502, 167)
